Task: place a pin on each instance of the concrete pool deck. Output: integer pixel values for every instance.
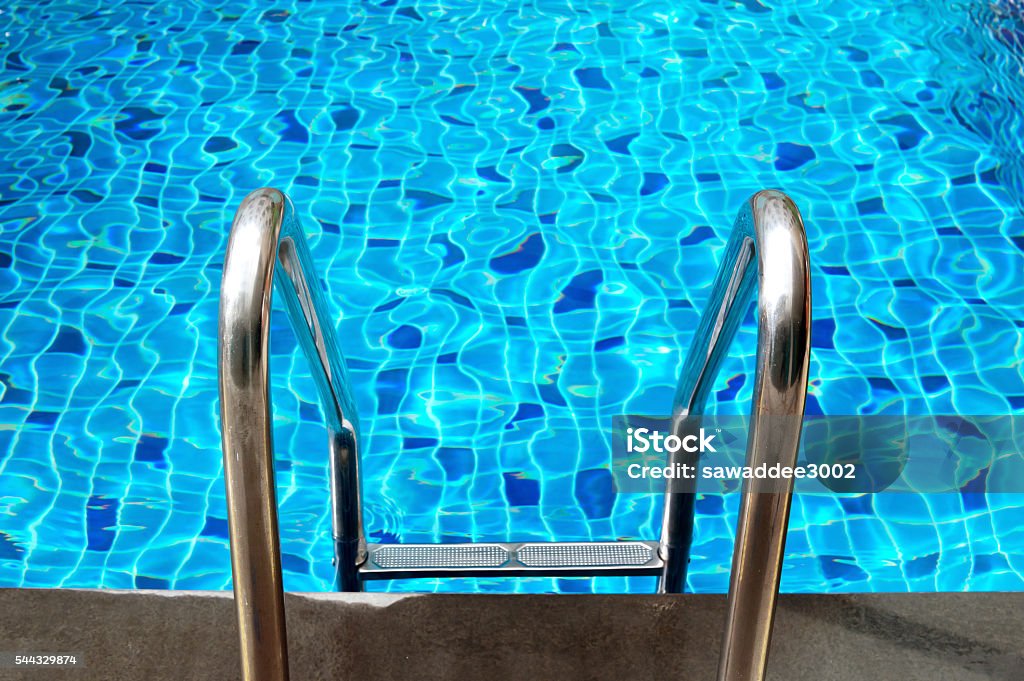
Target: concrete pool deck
(156, 635)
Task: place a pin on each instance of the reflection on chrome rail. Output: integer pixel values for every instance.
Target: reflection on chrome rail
(768, 247)
(266, 232)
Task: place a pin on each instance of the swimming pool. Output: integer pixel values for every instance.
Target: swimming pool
(517, 211)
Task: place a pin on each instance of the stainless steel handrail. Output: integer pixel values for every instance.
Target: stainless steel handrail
(768, 232)
(266, 232)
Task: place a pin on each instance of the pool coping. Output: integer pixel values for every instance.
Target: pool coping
(191, 634)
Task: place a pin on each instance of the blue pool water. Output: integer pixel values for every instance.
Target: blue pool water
(517, 211)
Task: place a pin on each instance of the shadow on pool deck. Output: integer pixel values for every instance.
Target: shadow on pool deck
(154, 635)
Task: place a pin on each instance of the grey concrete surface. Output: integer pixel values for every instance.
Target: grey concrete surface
(156, 635)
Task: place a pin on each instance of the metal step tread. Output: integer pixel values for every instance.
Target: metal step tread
(388, 561)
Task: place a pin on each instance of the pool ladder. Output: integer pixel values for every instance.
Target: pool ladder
(767, 251)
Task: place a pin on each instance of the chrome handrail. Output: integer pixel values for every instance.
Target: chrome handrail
(769, 232)
(265, 231)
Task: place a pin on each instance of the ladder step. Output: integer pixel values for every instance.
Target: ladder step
(397, 561)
